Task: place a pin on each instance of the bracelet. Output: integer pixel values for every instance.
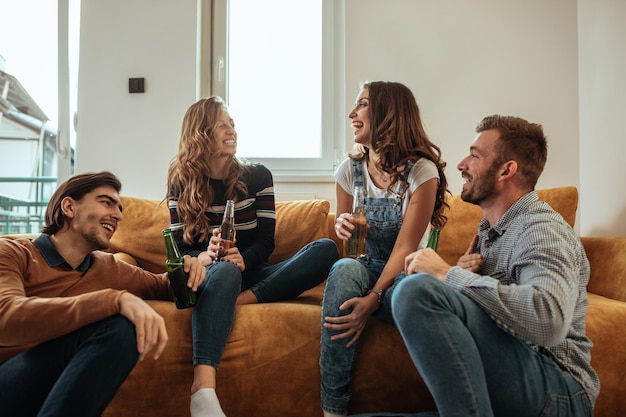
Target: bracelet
(377, 292)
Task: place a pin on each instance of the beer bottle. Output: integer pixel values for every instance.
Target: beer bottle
(355, 246)
(227, 230)
(433, 239)
(183, 295)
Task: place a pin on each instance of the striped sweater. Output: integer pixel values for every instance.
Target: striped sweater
(255, 217)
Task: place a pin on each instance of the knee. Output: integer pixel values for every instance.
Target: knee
(328, 249)
(223, 277)
(121, 328)
(345, 268)
(348, 275)
(410, 294)
(121, 336)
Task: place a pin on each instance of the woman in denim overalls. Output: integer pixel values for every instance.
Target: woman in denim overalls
(401, 172)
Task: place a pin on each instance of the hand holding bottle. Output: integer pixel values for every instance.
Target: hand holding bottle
(428, 261)
(344, 225)
(178, 269)
(354, 246)
(212, 252)
(227, 229)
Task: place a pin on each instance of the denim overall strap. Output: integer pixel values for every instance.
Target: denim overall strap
(357, 170)
(384, 216)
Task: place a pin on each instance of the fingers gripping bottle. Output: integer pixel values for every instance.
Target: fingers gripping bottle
(355, 246)
(227, 230)
(184, 297)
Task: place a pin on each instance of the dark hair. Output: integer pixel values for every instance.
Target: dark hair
(398, 136)
(519, 141)
(75, 187)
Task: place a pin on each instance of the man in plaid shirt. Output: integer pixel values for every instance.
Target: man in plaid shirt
(502, 333)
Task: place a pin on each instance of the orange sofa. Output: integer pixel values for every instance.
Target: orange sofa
(270, 365)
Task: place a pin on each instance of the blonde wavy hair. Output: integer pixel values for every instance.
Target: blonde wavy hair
(189, 174)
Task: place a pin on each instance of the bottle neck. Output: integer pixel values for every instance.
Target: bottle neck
(229, 212)
(358, 198)
(171, 249)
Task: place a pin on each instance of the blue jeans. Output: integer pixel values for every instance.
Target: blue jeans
(470, 365)
(348, 278)
(214, 313)
(73, 375)
(288, 279)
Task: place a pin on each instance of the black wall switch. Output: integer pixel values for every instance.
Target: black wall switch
(136, 85)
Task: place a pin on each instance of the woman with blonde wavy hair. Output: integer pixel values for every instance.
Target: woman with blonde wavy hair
(201, 177)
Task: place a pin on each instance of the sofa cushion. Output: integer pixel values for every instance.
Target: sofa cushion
(463, 219)
(608, 266)
(140, 232)
(298, 222)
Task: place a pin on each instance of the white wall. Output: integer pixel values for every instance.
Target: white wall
(134, 135)
(466, 60)
(463, 60)
(602, 109)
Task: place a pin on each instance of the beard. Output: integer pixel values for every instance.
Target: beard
(480, 187)
(93, 234)
(97, 243)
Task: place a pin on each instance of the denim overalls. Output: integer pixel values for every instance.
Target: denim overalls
(384, 217)
(349, 278)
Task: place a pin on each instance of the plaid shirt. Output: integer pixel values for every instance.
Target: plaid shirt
(533, 284)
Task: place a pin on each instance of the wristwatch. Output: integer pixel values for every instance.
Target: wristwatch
(378, 292)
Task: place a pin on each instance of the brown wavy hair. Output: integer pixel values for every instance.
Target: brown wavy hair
(189, 174)
(75, 187)
(398, 136)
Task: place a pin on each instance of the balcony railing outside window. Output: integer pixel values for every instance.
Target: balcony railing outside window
(19, 215)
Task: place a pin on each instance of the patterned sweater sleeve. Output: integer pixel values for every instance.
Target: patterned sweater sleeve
(261, 189)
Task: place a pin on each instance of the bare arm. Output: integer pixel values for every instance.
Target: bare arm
(414, 225)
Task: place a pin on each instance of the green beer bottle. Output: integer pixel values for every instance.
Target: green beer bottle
(433, 239)
(183, 295)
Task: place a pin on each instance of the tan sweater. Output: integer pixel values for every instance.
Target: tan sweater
(42, 297)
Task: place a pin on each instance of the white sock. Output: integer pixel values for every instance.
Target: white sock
(204, 403)
(327, 414)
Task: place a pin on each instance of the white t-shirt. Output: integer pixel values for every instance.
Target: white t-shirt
(423, 170)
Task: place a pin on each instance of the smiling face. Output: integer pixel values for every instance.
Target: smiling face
(360, 117)
(479, 169)
(95, 217)
(224, 135)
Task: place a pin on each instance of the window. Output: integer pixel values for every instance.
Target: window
(37, 43)
(273, 63)
(38, 60)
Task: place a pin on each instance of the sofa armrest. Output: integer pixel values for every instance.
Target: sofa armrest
(607, 256)
(605, 328)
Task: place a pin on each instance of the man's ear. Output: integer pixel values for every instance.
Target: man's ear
(68, 205)
(509, 169)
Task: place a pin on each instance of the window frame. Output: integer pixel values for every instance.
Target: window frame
(213, 74)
